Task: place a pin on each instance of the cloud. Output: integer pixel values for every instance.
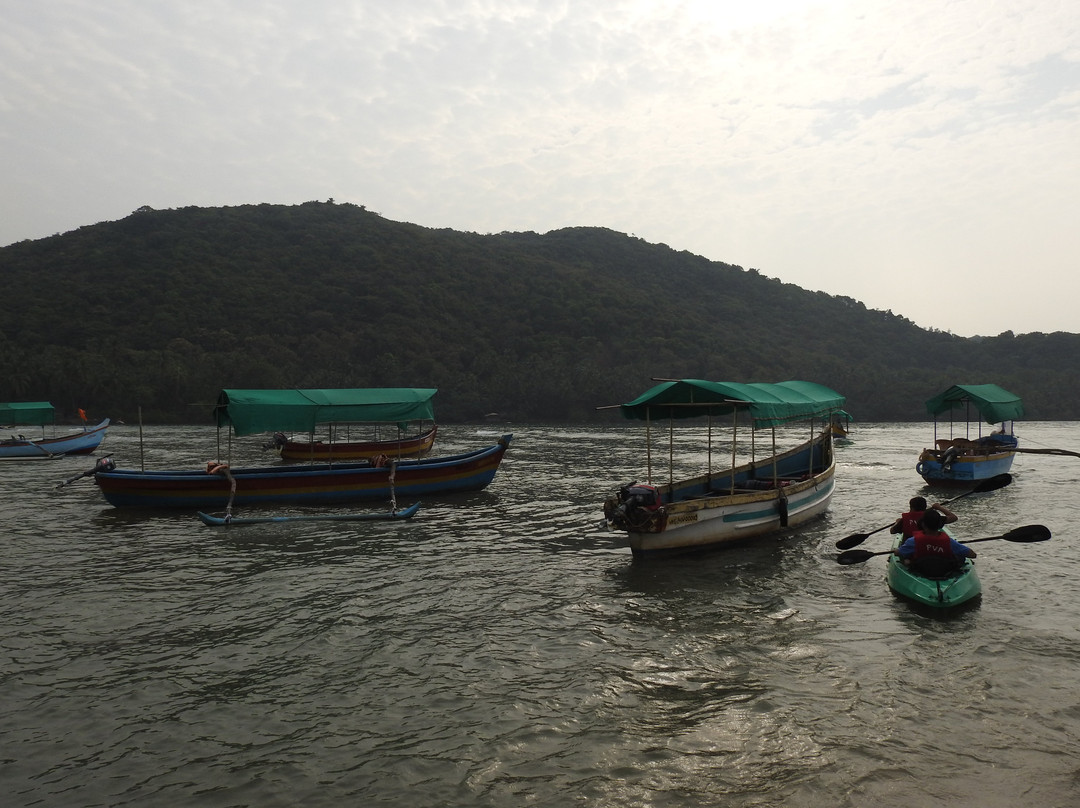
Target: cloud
(892, 153)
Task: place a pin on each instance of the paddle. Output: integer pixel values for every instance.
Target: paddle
(103, 464)
(1028, 533)
(991, 484)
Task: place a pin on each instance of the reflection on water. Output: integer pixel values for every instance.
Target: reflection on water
(502, 648)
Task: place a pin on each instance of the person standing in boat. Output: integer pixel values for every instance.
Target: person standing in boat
(931, 548)
(909, 521)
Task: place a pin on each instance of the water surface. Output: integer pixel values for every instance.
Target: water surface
(502, 649)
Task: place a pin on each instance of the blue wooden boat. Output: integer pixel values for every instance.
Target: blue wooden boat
(41, 413)
(970, 457)
(774, 491)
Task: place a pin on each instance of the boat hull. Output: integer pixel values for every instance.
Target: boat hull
(965, 470)
(77, 443)
(317, 451)
(329, 484)
(942, 593)
(689, 521)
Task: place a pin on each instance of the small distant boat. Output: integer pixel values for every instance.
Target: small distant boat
(947, 591)
(41, 413)
(769, 493)
(840, 428)
(212, 520)
(963, 460)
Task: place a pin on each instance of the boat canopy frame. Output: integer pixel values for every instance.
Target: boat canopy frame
(994, 405)
(249, 412)
(767, 405)
(27, 413)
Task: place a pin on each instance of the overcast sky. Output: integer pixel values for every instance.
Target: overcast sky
(921, 156)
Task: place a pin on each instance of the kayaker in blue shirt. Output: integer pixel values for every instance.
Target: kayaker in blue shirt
(931, 547)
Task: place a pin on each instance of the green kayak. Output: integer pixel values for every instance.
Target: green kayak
(943, 592)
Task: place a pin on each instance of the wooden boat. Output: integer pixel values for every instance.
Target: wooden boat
(840, 427)
(317, 450)
(247, 412)
(320, 484)
(947, 591)
(41, 413)
(963, 460)
(339, 411)
(228, 520)
(763, 495)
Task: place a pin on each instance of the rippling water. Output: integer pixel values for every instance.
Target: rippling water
(502, 649)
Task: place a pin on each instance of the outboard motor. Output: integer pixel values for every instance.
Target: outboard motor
(105, 463)
(949, 458)
(640, 495)
(276, 442)
(634, 507)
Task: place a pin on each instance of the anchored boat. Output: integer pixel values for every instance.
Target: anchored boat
(961, 460)
(376, 409)
(41, 413)
(249, 412)
(768, 491)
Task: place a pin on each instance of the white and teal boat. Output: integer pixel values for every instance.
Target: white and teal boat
(749, 488)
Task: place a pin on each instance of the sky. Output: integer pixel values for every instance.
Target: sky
(919, 156)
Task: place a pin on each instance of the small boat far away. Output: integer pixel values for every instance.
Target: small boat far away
(840, 427)
(962, 460)
(42, 413)
(764, 494)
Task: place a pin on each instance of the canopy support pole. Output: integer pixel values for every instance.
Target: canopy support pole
(775, 472)
(734, 443)
(709, 456)
(648, 445)
(671, 451)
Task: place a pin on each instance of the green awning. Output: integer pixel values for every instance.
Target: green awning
(253, 411)
(993, 403)
(767, 404)
(27, 412)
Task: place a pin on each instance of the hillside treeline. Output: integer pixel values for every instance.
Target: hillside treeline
(162, 309)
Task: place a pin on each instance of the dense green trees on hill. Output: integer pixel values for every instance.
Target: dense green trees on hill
(164, 308)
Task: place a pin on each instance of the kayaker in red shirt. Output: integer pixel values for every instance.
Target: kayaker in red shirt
(909, 521)
(931, 549)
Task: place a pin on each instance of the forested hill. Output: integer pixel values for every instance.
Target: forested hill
(162, 309)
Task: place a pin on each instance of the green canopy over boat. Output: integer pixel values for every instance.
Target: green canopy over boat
(253, 411)
(767, 404)
(27, 412)
(993, 403)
